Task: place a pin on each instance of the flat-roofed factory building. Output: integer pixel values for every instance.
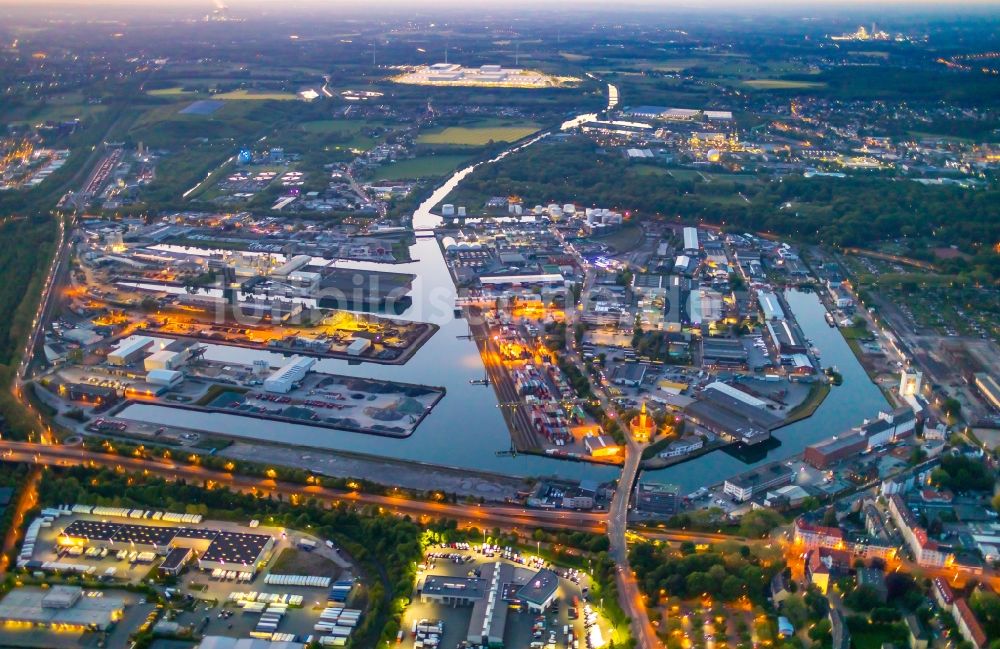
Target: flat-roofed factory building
(452, 591)
(129, 350)
(235, 551)
(744, 486)
(175, 561)
(61, 607)
(540, 590)
(735, 415)
(490, 596)
(723, 352)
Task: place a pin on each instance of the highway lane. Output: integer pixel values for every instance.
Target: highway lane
(56, 268)
(26, 501)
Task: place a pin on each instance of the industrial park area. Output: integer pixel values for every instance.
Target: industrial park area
(487, 76)
(240, 569)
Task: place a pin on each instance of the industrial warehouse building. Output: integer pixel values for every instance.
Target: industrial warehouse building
(170, 357)
(729, 412)
(723, 351)
(691, 241)
(358, 346)
(284, 378)
(784, 339)
(234, 551)
(655, 498)
(98, 395)
(601, 445)
(129, 350)
(872, 434)
(770, 307)
(62, 607)
(490, 595)
(989, 388)
(744, 486)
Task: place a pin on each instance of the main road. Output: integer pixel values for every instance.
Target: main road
(505, 516)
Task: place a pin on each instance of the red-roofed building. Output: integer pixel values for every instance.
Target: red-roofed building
(927, 552)
(968, 625)
(943, 594)
(935, 496)
(822, 564)
(817, 572)
(817, 536)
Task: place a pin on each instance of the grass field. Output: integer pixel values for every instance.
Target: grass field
(479, 134)
(624, 239)
(61, 112)
(782, 84)
(344, 133)
(432, 166)
(686, 174)
(817, 394)
(649, 170)
(937, 136)
(259, 96)
(170, 92)
(678, 65)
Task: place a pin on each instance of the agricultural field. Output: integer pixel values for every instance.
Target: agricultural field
(479, 133)
(256, 95)
(165, 126)
(650, 170)
(782, 84)
(344, 133)
(171, 92)
(431, 166)
(57, 108)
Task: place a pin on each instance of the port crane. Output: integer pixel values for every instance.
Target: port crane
(483, 381)
(512, 452)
